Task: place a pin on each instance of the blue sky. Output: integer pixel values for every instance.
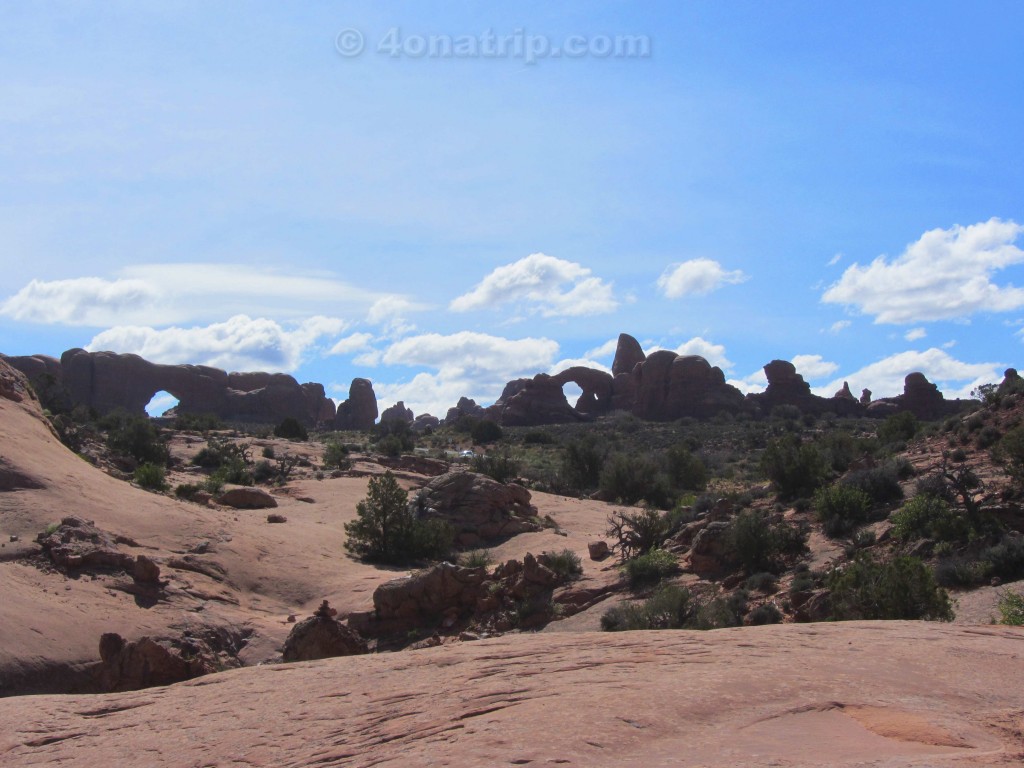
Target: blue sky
(219, 183)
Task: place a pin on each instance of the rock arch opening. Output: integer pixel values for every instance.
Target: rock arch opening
(160, 403)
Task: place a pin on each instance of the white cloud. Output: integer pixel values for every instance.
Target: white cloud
(915, 333)
(162, 294)
(713, 353)
(240, 343)
(946, 274)
(835, 260)
(839, 325)
(556, 288)
(89, 301)
(469, 364)
(583, 362)
(813, 367)
(696, 277)
(605, 350)
(884, 378)
(350, 344)
(755, 382)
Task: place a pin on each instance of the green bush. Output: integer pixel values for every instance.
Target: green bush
(501, 466)
(476, 558)
(1010, 452)
(650, 568)
(135, 436)
(685, 470)
(898, 428)
(565, 563)
(795, 468)
(928, 517)
(538, 437)
(187, 491)
(291, 429)
(765, 614)
(387, 530)
(670, 607)
(151, 477)
(1011, 608)
(841, 508)
(757, 544)
(763, 581)
(336, 455)
(881, 484)
(197, 422)
(486, 431)
(721, 612)
(582, 463)
(630, 478)
(903, 588)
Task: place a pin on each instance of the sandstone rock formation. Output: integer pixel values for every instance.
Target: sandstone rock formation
(444, 590)
(322, 636)
(398, 412)
(360, 410)
(481, 510)
(669, 386)
(628, 354)
(425, 422)
(77, 543)
(531, 402)
(106, 381)
(129, 666)
(465, 407)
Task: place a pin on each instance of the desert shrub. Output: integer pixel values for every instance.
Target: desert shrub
(840, 448)
(765, 614)
(757, 544)
(1006, 558)
(582, 463)
(187, 491)
(263, 472)
(476, 558)
(881, 483)
(934, 485)
(650, 568)
(685, 470)
(151, 476)
(903, 588)
(637, 533)
(336, 455)
(631, 478)
(387, 530)
(135, 436)
(502, 466)
(898, 428)
(393, 437)
(218, 453)
(268, 452)
(928, 517)
(795, 468)
(988, 436)
(538, 437)
(963, 572)
(197, 422)
(291, 429)
(565, 563)
(1011, 609)
(1010, 453)
(762, 582)
(670, 607)
(721, 612)
(841, 508)
(486, 431)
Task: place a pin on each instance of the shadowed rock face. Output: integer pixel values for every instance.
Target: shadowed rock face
(628, 353)
(398, 412)
(360, 410)
(108, 380)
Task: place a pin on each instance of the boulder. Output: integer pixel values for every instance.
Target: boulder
(144, 663)
(247, 498)
(360, 410)
(77, 544)
(709, 553)
(426, 596)
(479, 509)
(145, 571)
(598, 550)
(322, 636)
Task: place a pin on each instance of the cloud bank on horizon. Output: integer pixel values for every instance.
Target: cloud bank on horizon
(196, 187)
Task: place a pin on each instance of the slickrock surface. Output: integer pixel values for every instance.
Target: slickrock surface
(879, 694)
